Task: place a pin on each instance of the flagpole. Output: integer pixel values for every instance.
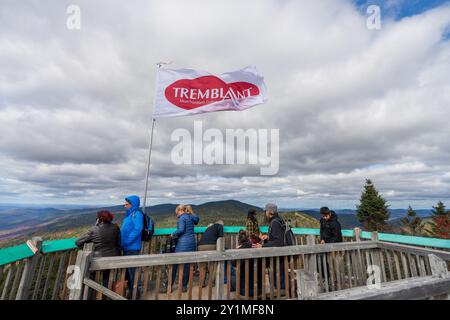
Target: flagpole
(147, 175)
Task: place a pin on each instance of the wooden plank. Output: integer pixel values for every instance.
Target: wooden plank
(325, 272)
(158, 282)
(389, 263)
(420, 266)
(169, 283)
(356, 275)
(180, 280)
(9, 275)
(335, 256)
(307, 285)
(255, 279)
(278, 273)
(383, 268)
(404, 265)
(228, 280)
(408, 289)
(331, 269)
(112, 277)
(349, 269)
(397, 265)
(62, 261)
(191, 280)
(412, 265)
(271, 279)
(201, 280)
(29, 269)
(247, 280)
(219, 275)
(105, 291)
(293, 277)
(208, 256)
(263, 297)
(98, 294)
(145, 275)
(17, 277)
(445, 255)
(211, 276)
(238, 280)
(286, 276)
(72, 257)
(37, 285)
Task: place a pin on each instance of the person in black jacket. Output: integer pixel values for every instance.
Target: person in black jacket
(210, 236)
(105, 236)
(274, 237)
(330, 228)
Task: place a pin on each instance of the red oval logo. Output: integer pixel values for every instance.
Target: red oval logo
(195, 93)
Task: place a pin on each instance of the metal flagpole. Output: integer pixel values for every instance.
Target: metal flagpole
(148, 164)
(159, 64)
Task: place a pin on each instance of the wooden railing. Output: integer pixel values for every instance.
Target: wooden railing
(338, 266)
(43, 274)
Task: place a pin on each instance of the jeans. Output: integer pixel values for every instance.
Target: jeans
(130, 273)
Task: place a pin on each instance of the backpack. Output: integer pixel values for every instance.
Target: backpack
(289, 238)
(149, 228)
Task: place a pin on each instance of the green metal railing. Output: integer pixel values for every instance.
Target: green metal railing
(11, 254)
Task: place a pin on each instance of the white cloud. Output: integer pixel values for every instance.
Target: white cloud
(350, 103)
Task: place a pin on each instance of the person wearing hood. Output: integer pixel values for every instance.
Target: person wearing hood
(132, 227)
(330, 228)
(185, 236)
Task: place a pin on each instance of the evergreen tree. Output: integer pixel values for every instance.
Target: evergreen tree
(372, 211)
(412, 222)
(439, 209)
(441, 221)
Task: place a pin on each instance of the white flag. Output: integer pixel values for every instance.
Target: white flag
(185, 91)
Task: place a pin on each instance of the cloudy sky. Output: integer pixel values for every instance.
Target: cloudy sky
(351, 103)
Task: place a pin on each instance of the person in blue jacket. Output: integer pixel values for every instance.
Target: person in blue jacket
(186, 241)
(131, 230)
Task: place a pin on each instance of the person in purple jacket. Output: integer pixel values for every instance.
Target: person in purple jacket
(185, 236)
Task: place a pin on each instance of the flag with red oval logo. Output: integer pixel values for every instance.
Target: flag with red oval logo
(186, 92)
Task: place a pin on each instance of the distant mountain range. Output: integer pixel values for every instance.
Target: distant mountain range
(19, 222)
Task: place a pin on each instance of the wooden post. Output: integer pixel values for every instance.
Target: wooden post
(357, 234)
(307, 285)
(374, 236)
(312, 259)
(28, 271)
(438, 266)
(220, 274)
(81, 267)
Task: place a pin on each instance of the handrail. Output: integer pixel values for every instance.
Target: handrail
(12, 254)
(146, 260)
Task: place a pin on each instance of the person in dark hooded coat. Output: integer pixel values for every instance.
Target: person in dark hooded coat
(330, 228)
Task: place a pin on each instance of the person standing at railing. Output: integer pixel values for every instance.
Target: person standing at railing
(132, 227)
(275, 237)
(330, 228)
(252, 226)
(185, 236)
(105, 236)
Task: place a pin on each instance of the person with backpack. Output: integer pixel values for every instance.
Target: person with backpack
(132, 228)
(186, 241)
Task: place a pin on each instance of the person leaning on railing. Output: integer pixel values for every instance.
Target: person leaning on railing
(105, 236)
(210, 236)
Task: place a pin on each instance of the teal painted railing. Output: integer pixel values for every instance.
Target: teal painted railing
(22, 251)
